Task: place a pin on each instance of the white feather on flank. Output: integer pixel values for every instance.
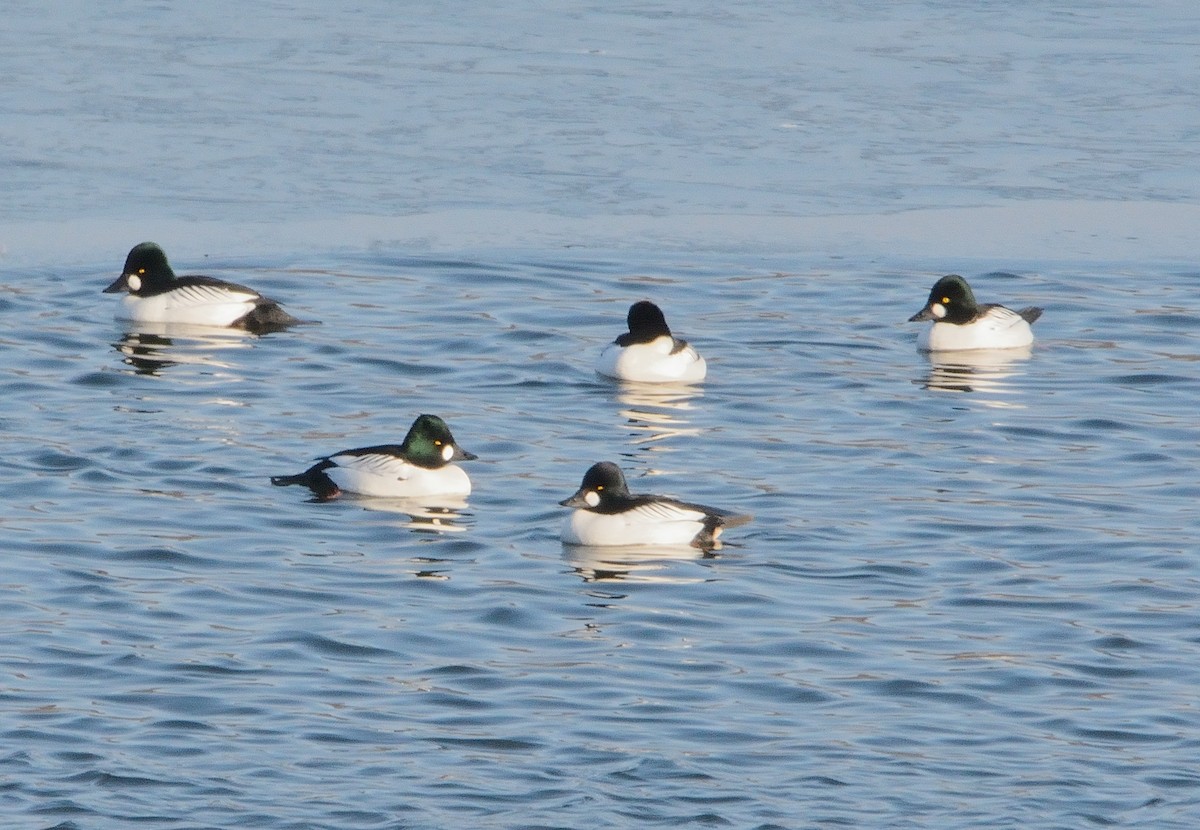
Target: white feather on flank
(204, 294)
(653, 362)
(205, 305)
(377, 474)
(665, 511)
(996, 328)
(378, 464)
(654, 523)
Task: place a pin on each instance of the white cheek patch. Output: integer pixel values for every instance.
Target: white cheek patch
(592, 498)
(134, 282)
(938, 310)
(447, 452)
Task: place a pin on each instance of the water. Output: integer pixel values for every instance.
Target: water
(1000, 130)
(969, 596)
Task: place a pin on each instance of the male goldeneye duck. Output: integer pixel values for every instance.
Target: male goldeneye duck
(606, 513)
(960, 323)
(156, 295)
(419, 467)
(648, 353)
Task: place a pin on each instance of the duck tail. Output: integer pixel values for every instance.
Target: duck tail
(735, 519)
(714, 523)
(268, 317)
(315, 479)
(1030, 313)
(287, 481)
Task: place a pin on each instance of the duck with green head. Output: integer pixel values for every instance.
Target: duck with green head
(423, 465)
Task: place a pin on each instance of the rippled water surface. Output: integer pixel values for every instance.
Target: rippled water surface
(970, 595)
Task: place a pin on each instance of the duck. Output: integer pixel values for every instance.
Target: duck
(153, 294)
(649, 353)
(606, 514)
(962, 324)
(423, 465)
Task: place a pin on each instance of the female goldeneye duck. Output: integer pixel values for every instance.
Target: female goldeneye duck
(156, 295)
(960, 323)
(419, 467)
(648, 353)
(606, 513)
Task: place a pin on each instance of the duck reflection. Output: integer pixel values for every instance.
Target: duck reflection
(657, 412)
(634, 563)
(986, 371)
(434, 514)
(152, 347)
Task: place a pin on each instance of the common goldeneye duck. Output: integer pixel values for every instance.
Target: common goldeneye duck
(648, 353)
(961, 324)
(420, 467)
(606, 513)
(155, 295)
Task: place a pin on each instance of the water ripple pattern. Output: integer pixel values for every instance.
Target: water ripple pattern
(960, 604)
(970, 595)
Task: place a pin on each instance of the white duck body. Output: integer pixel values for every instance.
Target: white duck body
(663, 360)
(653, 523)
(198, 305)
(996, 327)
(388, 476)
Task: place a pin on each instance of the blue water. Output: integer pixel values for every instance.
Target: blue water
(970, 594)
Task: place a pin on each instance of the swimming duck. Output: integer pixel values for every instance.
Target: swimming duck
(648, 353)
(421, 466)
(155, 295)
(606, 513)
(960, 323)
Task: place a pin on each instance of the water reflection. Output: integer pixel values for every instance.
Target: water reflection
(980, 371)
(153, 347)
(432, 514)
(657, 412)
(634, 563)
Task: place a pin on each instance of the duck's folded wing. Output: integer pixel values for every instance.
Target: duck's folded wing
(1000, 318)
(374, 463)
(714, 516)
(192, 293)
(667, 511)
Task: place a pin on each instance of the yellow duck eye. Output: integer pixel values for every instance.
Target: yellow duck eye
(945, 300)
(141, 271)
